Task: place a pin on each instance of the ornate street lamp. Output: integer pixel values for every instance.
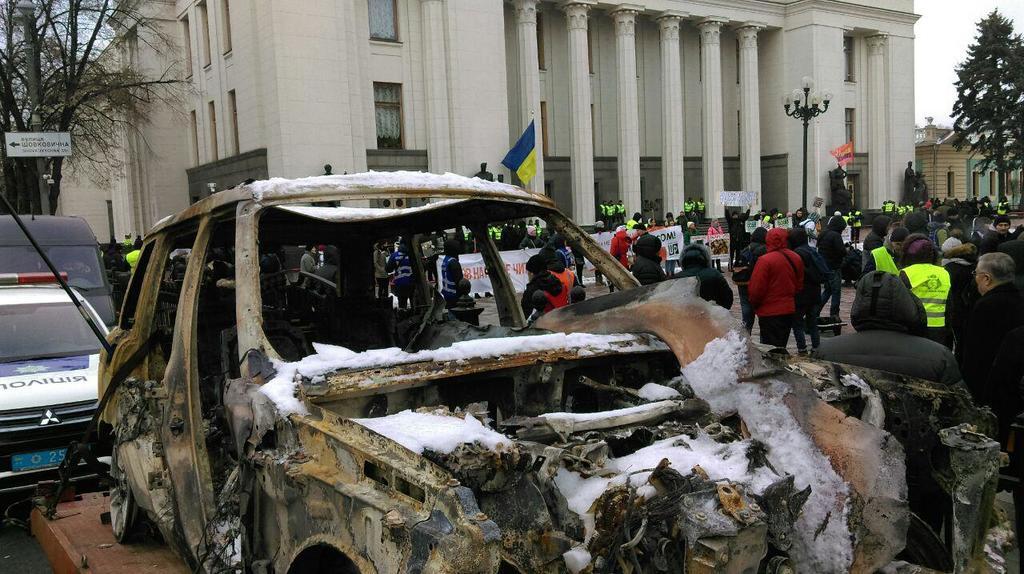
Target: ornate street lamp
(806, 104)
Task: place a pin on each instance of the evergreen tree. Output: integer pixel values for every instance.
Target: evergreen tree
(987, 112)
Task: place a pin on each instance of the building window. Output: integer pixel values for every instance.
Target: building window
(991, 184)
(233, 111)
(187, 41)
(226, 25)
(540, 41)
(194, 125)
(212, 111)
(851, 126)
(950, 192)
(848, 58)
(204, 23)
(975, 183)
(387, 99)
(544, 128)
(383, 20)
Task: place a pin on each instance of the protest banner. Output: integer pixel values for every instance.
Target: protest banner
(738, 198)
(475, 271)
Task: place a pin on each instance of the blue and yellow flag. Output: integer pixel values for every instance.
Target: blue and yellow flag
(522, 158)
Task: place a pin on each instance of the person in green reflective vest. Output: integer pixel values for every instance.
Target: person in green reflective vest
(856, 220)
(700, 210)
(884, 258)
(1003, 207)
(889, 207)
(620, 212)
(634, 221)
(928, 282)
(690, 207)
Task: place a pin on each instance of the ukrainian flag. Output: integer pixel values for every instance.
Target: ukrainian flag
(522, 158)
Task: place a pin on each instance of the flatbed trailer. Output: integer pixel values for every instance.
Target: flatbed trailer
(79, 540)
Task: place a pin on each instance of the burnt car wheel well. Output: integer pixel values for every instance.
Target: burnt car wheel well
(322, 558)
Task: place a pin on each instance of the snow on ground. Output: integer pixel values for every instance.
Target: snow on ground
(328, 358)
(713, 377)
(394, 180)
(439, 433)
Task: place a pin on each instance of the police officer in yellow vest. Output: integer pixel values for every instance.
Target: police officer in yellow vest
(855, 219)
(1003, 207)
(884, 258)
(889, 207)
(928, 282)
(634, 221)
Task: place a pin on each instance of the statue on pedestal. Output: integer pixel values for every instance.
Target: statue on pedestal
(839, 196)
(483, 173)
(909, 181)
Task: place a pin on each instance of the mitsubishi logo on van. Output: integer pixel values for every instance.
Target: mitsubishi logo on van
(49, 417)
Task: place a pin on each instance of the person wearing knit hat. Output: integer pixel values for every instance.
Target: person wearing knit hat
(959, 259)
(916, 222)
(884, 258)
(1000, 232)
(542, 280)
(928, 282)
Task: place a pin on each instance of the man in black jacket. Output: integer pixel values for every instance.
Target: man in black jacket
(889, 322)
(696, 262)
(1000, 233)
(832, 248)
(647, 263)
(742, 270)
(999, 310)
(876, 238)
(807, 306)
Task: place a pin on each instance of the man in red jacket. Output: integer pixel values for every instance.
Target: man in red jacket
(778, 276)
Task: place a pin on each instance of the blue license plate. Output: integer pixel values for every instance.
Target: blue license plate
(38, 459)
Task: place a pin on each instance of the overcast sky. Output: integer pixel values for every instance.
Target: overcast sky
(943, 33)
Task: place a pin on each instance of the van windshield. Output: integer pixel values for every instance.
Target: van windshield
(80, 262)
(43, 330)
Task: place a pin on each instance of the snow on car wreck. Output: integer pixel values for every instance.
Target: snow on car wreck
(276, 421)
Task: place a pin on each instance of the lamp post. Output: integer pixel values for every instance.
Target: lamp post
(28, 12)
(806, 104)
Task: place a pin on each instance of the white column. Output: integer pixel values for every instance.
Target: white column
(582, 154)
(880, 185)
(711, 68)
(435, 78)
(529, 82)
(750, 114)
(629, 109)
(672, 150)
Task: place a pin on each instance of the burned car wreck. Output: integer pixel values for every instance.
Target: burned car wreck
(273, 424)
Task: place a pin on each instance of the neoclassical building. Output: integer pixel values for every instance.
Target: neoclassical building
(650, 101)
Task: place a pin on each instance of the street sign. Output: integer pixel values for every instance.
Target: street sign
(37, 144)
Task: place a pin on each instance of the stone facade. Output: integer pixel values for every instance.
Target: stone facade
(650, 101)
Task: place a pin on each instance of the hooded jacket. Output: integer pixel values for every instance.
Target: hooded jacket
(885, 315)
(621, 243)
(916, 222)
(748, 257)
(960, 261)
(812, 276)
(778, 276)
(876, 237)
(830, 243)
(696, 262)
(647, 264)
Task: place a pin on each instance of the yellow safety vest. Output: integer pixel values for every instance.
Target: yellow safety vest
(631, 224)
(132, 257)
(930, 283)
(884, 261)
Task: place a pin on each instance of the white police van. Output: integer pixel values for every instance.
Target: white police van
(49, 361)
